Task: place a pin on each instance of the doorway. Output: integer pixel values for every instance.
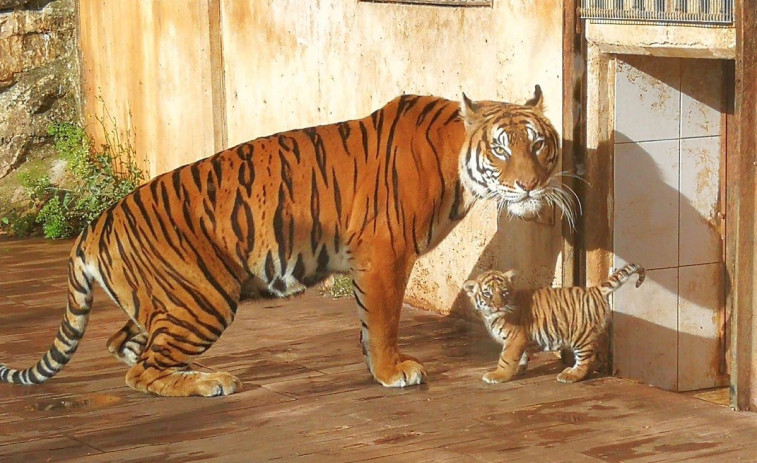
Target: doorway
(669, 176)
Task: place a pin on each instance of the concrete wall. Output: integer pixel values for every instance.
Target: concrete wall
(199, 78)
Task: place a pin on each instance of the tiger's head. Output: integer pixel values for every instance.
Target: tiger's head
(510, 155)
(491, 292)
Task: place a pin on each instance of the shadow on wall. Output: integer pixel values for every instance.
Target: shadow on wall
(537, 264)
(670, 359)
(535, 260)
(677, 357)
(653, 198)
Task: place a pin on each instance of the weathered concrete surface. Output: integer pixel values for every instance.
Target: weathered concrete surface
(191, 82)
(39, 76)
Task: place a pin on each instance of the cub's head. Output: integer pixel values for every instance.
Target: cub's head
(491, 292)
(510, 156)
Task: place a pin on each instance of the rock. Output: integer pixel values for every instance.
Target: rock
(39, 77)
(8, 4)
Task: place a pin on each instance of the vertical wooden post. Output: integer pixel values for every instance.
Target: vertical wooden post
(744, 162)
(217, 75)
(572, 71)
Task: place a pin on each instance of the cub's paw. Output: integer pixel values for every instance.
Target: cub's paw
(408, 372)
(496, 377)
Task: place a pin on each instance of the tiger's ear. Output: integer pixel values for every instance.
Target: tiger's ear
(470, 287)
(470, 111)
(511, 274)
(537, 101)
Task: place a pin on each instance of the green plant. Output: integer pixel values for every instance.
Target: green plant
(19, 224)
(342, 286)
(98, 178)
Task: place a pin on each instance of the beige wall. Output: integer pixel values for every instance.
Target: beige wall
(291, 63)
(149, 63)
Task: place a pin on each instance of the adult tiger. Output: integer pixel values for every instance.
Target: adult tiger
(280, 213)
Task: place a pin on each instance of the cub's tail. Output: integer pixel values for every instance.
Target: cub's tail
(69, 334)
(617, 279)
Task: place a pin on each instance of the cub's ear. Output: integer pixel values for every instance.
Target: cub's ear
(470, 287)
(470, 110)
(511, 274)
(537, 101)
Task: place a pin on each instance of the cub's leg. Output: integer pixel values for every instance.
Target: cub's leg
(379, 290)
(128, 343)
(586, 359)
(513, 351)
(163, 368)
(523, 363)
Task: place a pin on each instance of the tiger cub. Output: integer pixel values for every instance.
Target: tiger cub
(572, 318)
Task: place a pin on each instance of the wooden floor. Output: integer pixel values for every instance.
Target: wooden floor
(308, 396)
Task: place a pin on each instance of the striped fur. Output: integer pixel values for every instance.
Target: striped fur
(554, 318)
(275, 215)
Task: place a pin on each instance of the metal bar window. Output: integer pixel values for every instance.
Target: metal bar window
(661, 11)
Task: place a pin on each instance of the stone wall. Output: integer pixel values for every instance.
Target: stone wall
(39, 76)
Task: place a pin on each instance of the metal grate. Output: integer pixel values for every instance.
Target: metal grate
(662, 11)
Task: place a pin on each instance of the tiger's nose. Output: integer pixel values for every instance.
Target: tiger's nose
(528, 185)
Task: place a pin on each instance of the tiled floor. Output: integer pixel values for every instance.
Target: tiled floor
(308, 397)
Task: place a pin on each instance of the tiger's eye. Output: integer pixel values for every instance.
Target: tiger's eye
(499, 151)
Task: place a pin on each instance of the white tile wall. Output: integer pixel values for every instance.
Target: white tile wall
(702, 97)
(646, 203)
(700, 241)
(647, 101)
(699, 300)
(645, 324)
(666, 198)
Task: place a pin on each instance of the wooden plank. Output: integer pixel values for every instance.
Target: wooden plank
(307, 396)
(572, 79)
(744, 339)
(49, 450)
(217, 75)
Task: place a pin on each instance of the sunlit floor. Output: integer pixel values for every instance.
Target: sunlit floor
(308, 396)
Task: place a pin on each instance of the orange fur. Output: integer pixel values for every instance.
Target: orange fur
(554, 318)
(278, 214)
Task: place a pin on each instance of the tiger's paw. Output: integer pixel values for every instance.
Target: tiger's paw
(217, 384)
(127, 344)
(181, 383)
(496, 377)
(570, 375)
(408, 372)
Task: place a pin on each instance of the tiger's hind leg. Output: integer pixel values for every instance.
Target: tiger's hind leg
(586, 360)
(164, 367)
(128, 343)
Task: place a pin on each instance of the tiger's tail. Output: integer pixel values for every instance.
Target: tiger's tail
(617, 279)
(69, 334)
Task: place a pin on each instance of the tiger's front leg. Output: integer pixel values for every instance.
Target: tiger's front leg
(379, 287)
(510, 360)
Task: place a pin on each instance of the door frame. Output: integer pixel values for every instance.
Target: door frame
(588, 124)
